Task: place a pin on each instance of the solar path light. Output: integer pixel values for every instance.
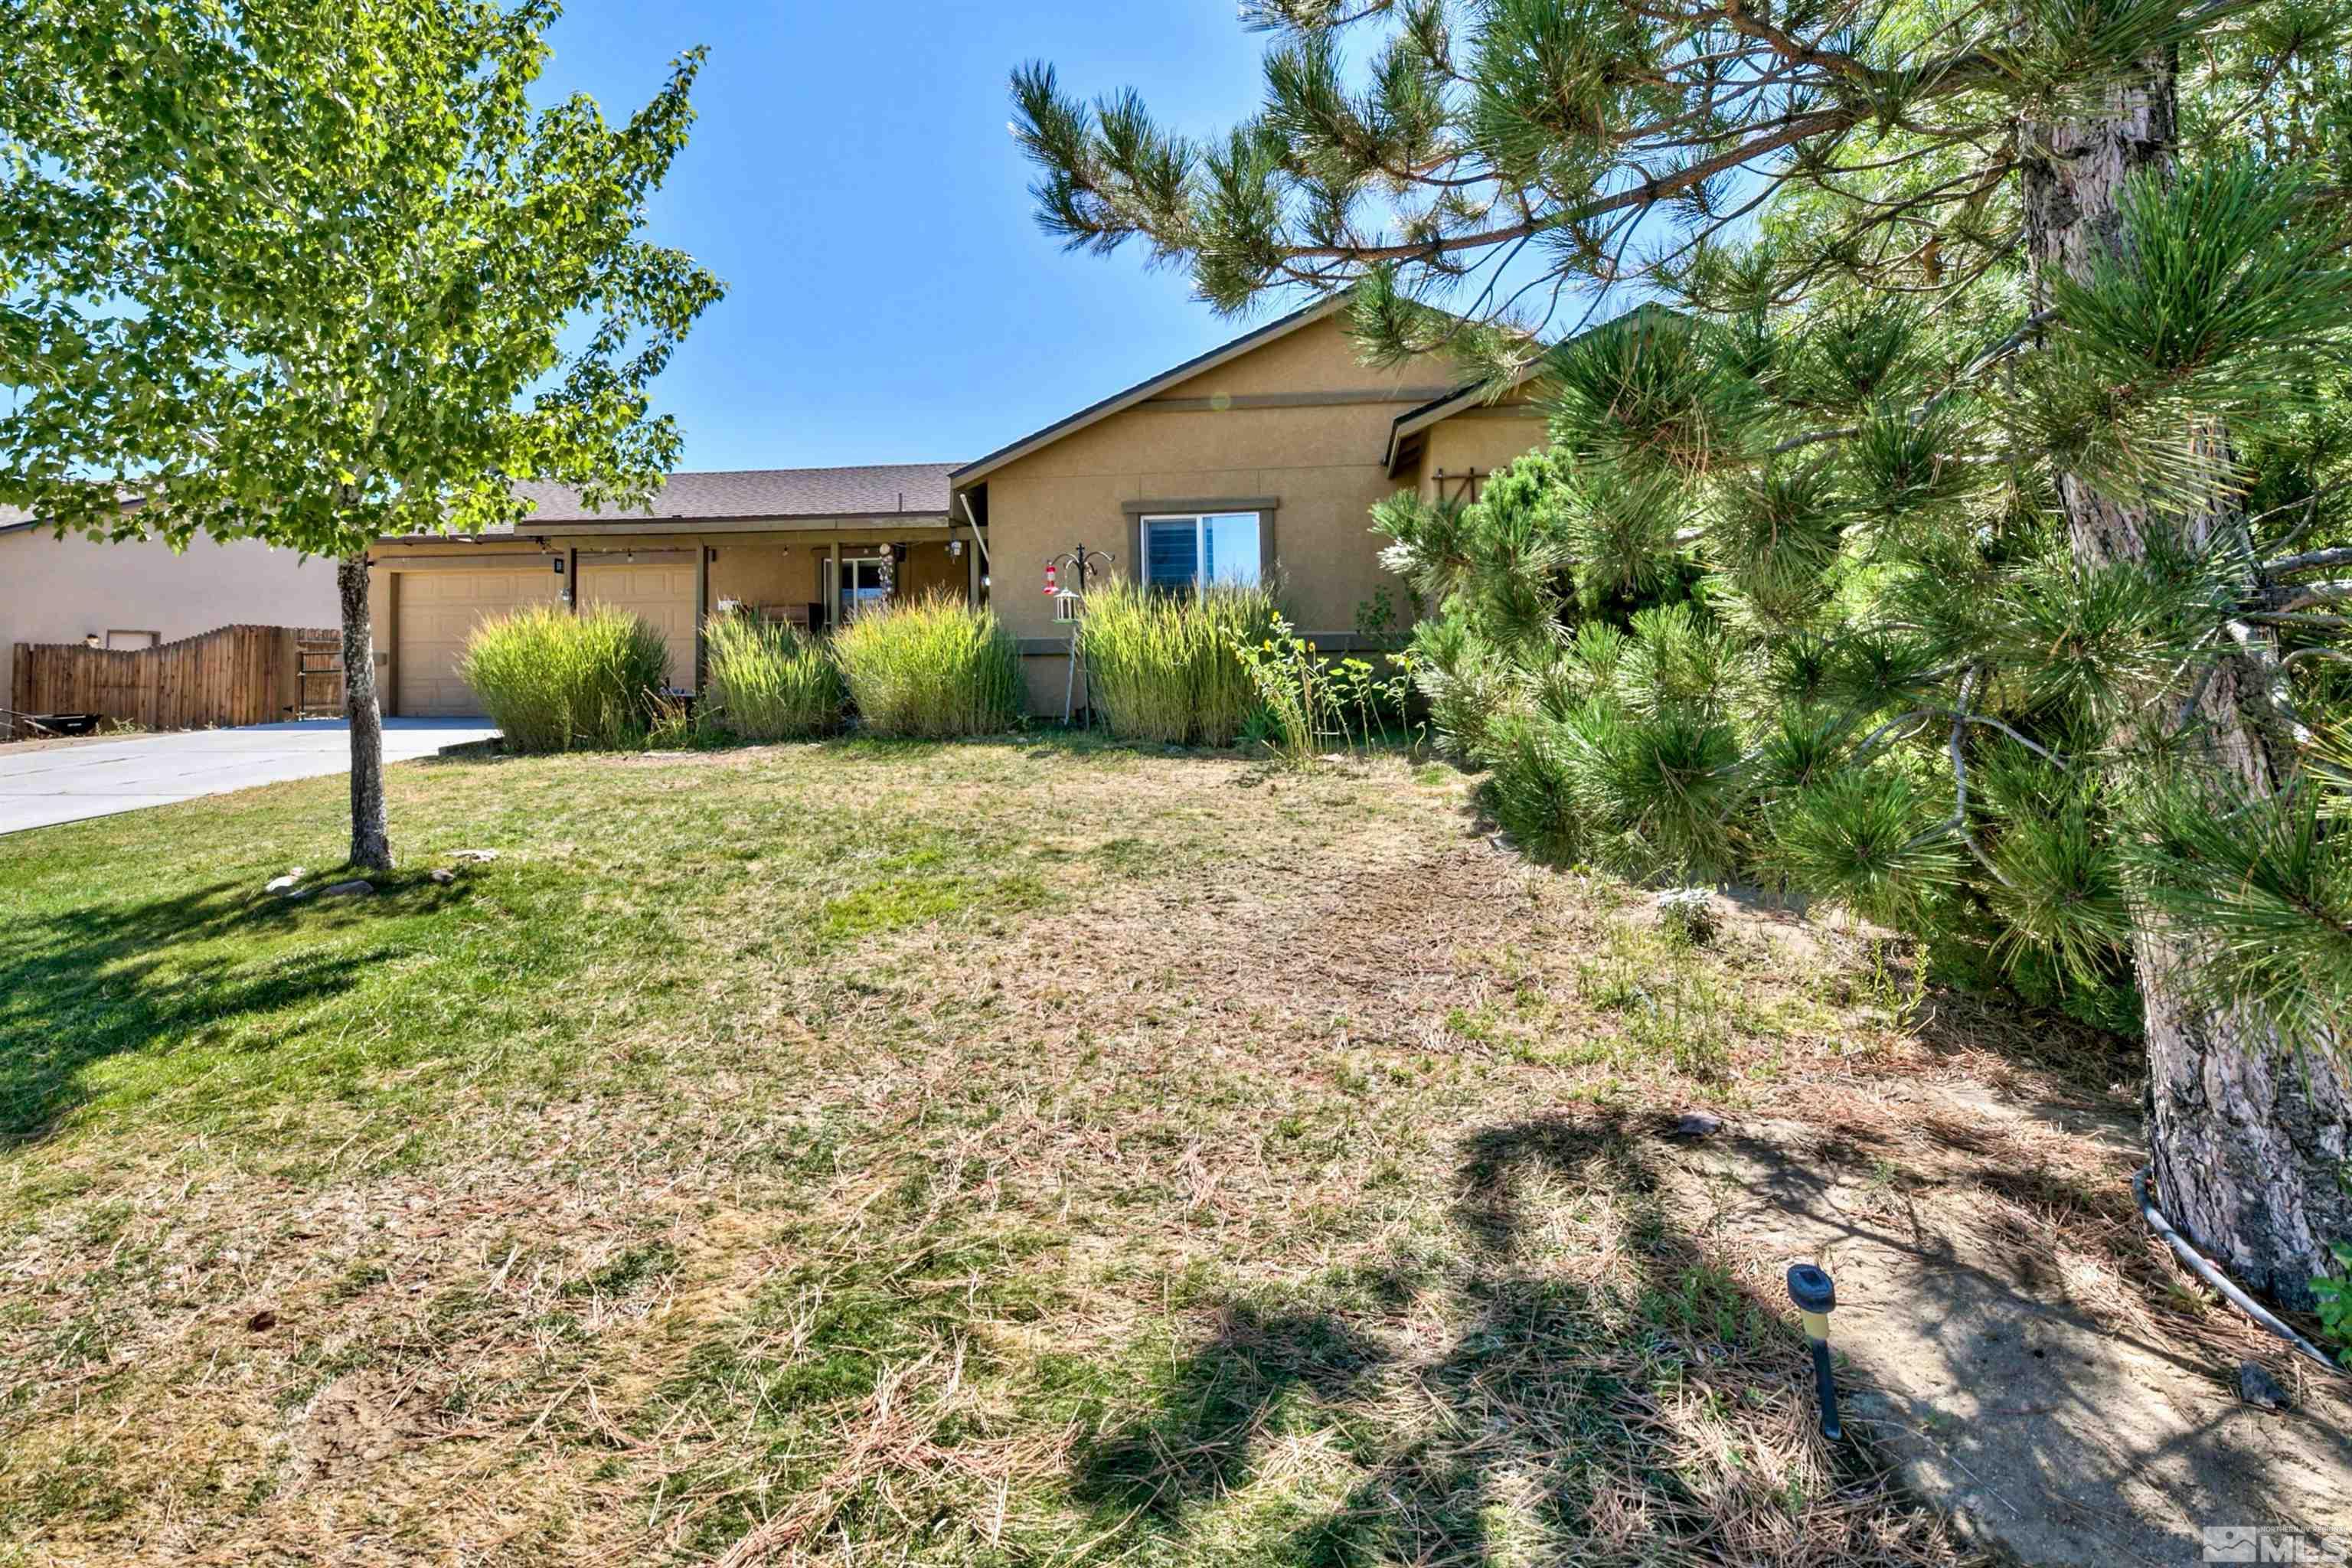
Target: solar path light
(1812, 1289)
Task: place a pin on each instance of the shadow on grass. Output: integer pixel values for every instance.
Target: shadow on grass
(1201, 1440)
(82, 984)
(1647, 1409)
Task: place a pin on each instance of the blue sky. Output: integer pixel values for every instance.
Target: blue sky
(890, 299)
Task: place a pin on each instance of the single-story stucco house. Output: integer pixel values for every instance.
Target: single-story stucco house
(1263, 456)
(140, 594)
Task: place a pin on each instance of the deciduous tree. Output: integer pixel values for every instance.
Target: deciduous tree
(320, 272)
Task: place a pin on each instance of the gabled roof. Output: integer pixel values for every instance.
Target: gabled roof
(1413, 421)
(879, 490)
(1280, 327)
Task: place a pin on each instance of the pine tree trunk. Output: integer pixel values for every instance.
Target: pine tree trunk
(2248, 1138)
(371, 833)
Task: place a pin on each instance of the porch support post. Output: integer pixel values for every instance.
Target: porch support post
(833, 586)
(701, 608)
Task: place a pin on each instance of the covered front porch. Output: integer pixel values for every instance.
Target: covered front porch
(429, 594)
(820, 581)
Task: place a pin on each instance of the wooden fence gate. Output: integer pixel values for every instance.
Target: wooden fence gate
(236, 675)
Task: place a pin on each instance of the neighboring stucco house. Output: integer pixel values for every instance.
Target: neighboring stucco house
(140, 593)
(1265, 455)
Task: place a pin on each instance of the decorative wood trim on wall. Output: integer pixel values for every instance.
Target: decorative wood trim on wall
(1183, 504)
(1466, 483)
(500, 560)
(1219, 402)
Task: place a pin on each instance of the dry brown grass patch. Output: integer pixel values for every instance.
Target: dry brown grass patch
(1211, 1166)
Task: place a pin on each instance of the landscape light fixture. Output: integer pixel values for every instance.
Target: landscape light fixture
(1815, 1295)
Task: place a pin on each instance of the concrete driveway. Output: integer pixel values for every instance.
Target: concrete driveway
(42, 786)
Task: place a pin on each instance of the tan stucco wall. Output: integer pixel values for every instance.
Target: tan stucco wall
(1322, 462)
(58, 590)
(1317, 357)
(1478, 441)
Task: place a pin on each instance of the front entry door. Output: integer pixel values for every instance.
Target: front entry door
(861, 588)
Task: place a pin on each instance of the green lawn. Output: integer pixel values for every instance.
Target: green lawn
(995, 1153)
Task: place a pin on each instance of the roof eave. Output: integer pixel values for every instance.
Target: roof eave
(1413, 421)
(780, 520)
(535, 531)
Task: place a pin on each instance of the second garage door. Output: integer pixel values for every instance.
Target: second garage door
(663, 593)
(436, 613)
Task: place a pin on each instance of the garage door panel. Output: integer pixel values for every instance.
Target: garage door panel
(436, 614)
(663, 594)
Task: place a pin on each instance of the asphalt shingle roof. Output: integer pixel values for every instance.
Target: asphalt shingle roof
(876, 490)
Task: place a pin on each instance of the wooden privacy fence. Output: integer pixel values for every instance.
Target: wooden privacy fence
(235, 675)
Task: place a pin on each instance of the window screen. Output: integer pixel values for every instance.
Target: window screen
(1172, 553)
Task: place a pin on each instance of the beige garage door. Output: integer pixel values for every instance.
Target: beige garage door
(662, 593)
(436, 612)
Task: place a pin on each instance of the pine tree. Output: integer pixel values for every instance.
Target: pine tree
(1961, 530)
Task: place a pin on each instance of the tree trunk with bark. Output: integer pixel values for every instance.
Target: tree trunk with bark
(2249, 1136)
(371, 832)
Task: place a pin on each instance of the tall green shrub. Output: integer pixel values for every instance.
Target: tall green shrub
(771, 682)
(1162, 666)
(555, 681)
(930, 667)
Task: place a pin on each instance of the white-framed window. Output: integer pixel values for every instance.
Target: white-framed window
(859, 588)
(1186, 552)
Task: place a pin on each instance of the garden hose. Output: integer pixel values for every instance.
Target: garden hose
(2204, 1270)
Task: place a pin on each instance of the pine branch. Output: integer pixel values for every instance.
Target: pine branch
(2307, 593)
(2035, 747)
(2309, 561)
(2328, 654)
(1958, 823)
(1798, 443)
(1870, 740)
(1652, 190)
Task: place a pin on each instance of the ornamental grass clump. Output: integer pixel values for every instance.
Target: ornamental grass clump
(555, 681)
(771, 682)
(932, 668)
(1162, 666)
